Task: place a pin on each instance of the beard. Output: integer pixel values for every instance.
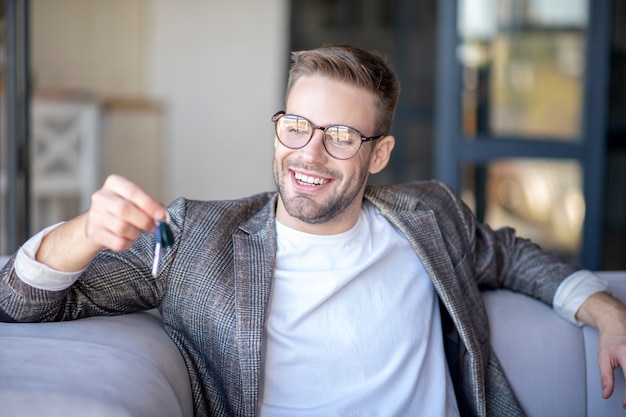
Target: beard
(303, 207)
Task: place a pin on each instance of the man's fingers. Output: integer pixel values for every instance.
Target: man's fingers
(607, 379)
(120, 211)
(132, 193)
(108, 208)
(624, 398)
(620, 362)
(111, 240)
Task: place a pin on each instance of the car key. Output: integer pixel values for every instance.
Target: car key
(163, 237)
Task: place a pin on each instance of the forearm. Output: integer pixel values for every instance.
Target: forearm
(38, 297)
(33, 291)
(67, 248)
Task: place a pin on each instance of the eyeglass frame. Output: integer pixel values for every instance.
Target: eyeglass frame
(282, 113)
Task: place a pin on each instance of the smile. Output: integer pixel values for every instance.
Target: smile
(306, 180)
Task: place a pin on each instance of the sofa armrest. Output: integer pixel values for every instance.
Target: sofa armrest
(551, 363)
(99, 366)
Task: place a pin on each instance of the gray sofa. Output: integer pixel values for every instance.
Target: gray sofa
(127, 366)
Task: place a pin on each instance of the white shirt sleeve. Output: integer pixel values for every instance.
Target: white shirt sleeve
(35, 273)
(574, 290)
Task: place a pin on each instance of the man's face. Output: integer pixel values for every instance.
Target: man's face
(318, 193)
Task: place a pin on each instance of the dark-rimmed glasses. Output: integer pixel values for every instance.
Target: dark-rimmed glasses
(341, 142)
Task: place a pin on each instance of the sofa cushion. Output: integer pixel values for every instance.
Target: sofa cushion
(100, 366)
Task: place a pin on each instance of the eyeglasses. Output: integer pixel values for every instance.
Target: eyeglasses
(341, 142)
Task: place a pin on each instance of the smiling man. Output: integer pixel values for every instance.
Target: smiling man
(327, 298)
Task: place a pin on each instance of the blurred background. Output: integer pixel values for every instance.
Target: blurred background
(520, 105)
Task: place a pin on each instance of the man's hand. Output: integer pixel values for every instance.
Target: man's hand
(120, 211)
(608, 315)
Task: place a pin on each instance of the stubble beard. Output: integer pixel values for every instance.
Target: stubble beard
(312, 212)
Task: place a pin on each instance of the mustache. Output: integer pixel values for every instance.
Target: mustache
(311, 169)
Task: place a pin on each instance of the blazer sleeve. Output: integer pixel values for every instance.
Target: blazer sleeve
(113, 283)
(501, 259)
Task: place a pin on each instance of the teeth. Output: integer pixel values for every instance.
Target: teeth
(310, 180)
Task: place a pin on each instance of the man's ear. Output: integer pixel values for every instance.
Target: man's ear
(381, 153)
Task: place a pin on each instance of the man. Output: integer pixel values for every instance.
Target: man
(329, 297)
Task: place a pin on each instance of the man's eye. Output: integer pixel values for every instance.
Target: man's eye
(297, 129)
(339, 140)
(297, 126)
(339, 135)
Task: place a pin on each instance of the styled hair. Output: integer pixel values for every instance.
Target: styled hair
(355, 66)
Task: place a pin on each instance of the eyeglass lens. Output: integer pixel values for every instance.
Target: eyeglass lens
(341, 142)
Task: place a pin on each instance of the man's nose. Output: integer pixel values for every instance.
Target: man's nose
(315, 150)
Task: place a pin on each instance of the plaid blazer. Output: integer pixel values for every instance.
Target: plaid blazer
(215, 282)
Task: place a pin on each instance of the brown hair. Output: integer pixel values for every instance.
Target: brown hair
(355, 66)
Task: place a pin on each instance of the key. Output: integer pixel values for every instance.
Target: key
(155, 262)
(163, 238)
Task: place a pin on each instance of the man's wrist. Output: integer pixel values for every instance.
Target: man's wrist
(574, 291)
(602, 311)
(37, 274)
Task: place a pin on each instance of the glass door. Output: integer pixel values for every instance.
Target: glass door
(521, 116)
(14, 125)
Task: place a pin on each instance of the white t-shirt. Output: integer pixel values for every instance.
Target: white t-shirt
(353, 327)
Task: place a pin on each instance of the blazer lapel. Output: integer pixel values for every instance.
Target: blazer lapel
(254, 256)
